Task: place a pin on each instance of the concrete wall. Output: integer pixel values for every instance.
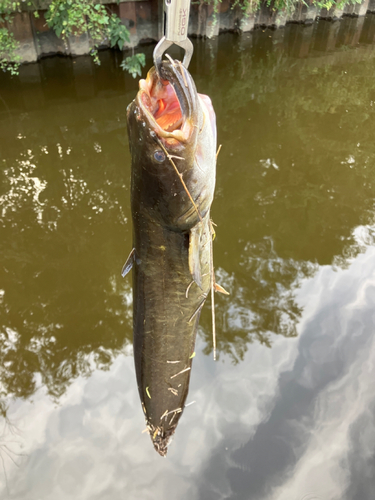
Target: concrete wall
(143, 18)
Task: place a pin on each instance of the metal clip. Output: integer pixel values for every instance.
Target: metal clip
(176, 31)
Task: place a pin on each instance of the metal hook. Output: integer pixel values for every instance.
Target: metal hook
(176, 29)
(164, 44)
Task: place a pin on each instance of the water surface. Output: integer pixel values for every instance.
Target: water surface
(287, 411)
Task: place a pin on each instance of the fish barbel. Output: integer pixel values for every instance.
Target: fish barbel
(172, 138)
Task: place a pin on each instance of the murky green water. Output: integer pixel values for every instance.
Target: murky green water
(287, 412)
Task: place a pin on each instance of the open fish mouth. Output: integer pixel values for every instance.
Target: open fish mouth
(169, 104)
(160, 99)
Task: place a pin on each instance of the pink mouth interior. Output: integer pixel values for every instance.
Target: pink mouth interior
(162, 102)
(159, 98)
(168, 114)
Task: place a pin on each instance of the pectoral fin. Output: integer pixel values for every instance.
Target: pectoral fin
(194, 255)
(128, 264)
(219, 288)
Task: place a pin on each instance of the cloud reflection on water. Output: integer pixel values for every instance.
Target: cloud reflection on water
(287, 422)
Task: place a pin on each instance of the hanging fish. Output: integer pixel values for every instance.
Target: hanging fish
(172, 138)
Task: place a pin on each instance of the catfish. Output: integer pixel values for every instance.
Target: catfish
(172, 139)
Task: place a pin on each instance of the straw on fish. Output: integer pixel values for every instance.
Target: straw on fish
(183, 73)
(180, 176)
(182, 371)
(198, 309)
(189, 404)
(212, 297)
(164, 414)
(177, 410)
(171, 60)
(188, 288)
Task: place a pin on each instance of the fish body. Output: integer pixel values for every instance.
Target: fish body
(172, 137)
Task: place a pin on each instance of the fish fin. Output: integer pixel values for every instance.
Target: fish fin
(128, 264)
(194, 255)
(219, 288)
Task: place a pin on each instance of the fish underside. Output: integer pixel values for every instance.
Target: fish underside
(172, 138)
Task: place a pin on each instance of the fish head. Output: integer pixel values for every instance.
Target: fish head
(172, 138)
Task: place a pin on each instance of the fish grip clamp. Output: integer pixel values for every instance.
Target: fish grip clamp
(176, 30)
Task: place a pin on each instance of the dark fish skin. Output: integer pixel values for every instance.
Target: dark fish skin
(168, 233)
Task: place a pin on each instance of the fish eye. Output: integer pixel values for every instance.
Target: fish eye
(159, 156)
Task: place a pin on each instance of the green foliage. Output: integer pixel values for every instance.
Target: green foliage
(9, 59)
(75, 18)
(134, 64)
(247, 6)
(118, 33)
(68, 18)
(251, 6)
(8, 7)
(328, 4)
(72, 17)
(6, 10)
